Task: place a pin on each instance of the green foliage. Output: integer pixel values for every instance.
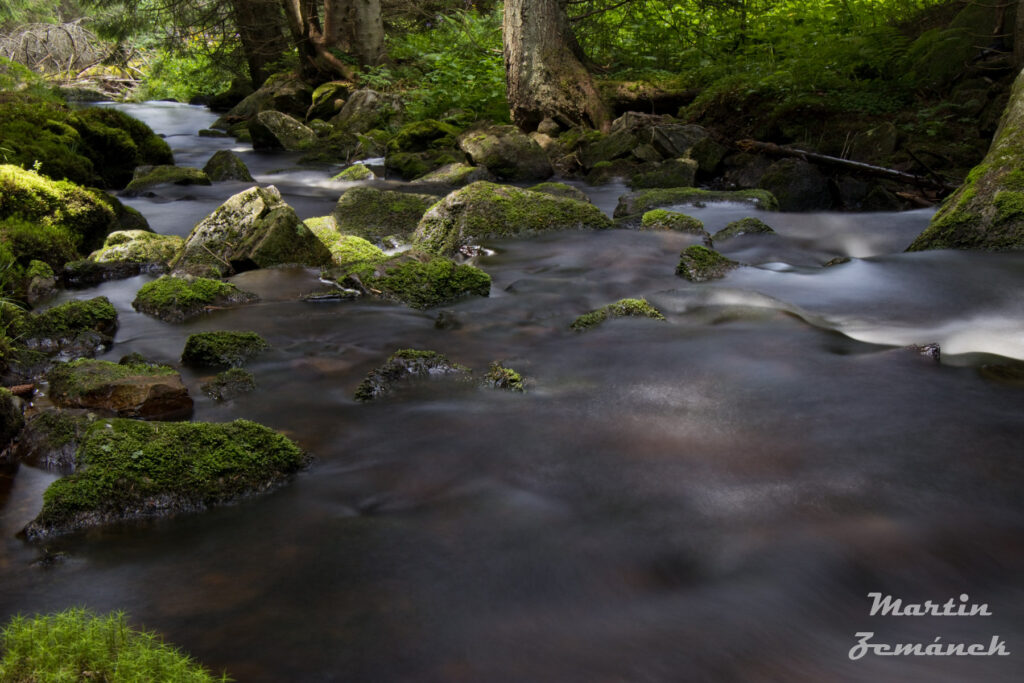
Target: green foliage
(181, 76)
(453, 66)
(78, 645)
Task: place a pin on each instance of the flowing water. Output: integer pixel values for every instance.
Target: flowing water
(709, 498)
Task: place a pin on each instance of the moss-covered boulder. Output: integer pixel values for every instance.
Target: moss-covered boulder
(421, 147)
(229, 384)
(117, 143)
(148, 177)
(42, 282)
(177, 299)
(128, 218)
(420, 281)
(455, 175)
(366, 110)
(11, 418)
(226, 165)
(147, 249)
(623, 308)
(74, 328)
(328, 99)
(69, 217)
(227, 349)
(130, 469)
(671, 173)
(276, 130)
(486, 210)
(642, 201)
(744, 226)
(507, 153)
(253, 229)
(561, 190)
(660, 219)
(284, 92)
(138, 390)
(797, 185)
(405, 365)
(500, 377)
(355, 173)
(50, 438)
(375, 214)
(700, 264)
(346, 250)
(987, 211)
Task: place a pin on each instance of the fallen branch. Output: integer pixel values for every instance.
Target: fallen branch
(857, 167)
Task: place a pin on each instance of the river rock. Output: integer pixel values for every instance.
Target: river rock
(561, 190)
(152, 392)
(405, 365)
(223, 348)
(367, 109)
(148, 177)
(177, 299)
(146, 249)
(483, 210)
(72, 329)
(253, 229)
(700, 264)
(660, 219)
(226, 165)
(11, 419)
(623, 308)
(284, 92)
(455, 175)
(642, 201)
(414, 278)
(744, 226)
(506, 152)
(671, 173)
(797, 185)
(377, 214)
(162, 469)
(50, 438)
(355, 173)
(328, 99)
(276, 130)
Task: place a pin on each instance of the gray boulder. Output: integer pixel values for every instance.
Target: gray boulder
(276, 130)
(797, 185)
(226, 165)
(507, 153)
(367, 109)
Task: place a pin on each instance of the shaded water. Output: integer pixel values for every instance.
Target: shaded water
(705, 499)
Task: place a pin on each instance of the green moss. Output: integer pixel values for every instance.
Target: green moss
(117, 143)
(660, 219)
(356, 172)
(130, 468)
(421, 136)
(28, 196)
(413, 165)
(346, 250)
(73, 317)
(434, 283)
(744, 226)
(229, 384)
(175, 299)
(77, 645)
(672, 173)
(560, 190)
(211, 349)
(500, 377)
(165, 174)
(85, 376)
(635, 308)
(33, 242)
(138, 246)
(11, 420)
(1009, 206)
(39, 269)
(375, 214)
(699, 264)
(636, 203)
(483, 210)
(404, 365)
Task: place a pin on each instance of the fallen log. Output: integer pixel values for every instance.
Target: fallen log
(856, 167)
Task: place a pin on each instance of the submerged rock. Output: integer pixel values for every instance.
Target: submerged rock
(500, 377)
(151, 392)
(744, 226)
(634, 308)
(700, 264)
(405, 365)
(638, 203)
(356, 172)
(231, 349)
(660, 219)
(162, 469)
(507, 153)
(482, 210)
(376, 214)
(229, 384)
(147, 177)
(226, 165)
(253, 229)
(176, 299)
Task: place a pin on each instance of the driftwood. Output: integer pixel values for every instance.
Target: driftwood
(856, 167)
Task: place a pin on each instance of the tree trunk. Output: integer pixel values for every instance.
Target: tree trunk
(544, 77)
(1018, 37)
(352, 27)
(261, 31)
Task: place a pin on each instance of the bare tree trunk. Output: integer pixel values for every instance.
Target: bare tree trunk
(1018, 37)
(351, 27)
(544, 77)
(262, 33)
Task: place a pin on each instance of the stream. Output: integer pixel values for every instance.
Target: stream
(710, 498)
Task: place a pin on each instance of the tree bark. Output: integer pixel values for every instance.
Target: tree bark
(543, 75)
(1018, 38)
(351, 27)
(261, 31)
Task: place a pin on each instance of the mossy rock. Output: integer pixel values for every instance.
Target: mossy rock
(415, 165)
(229, 384)
(366, 110)
(375, 214)
(561, 190)
(328, 99)
(500, 377)
(85, 273)
(429, 284)
(405, 365)
(226, 165)
(623, 308)
(176, 299)
(485, 210)
(700, 264)
(422, 136)
(744, 226)
(252, 229)
(74, 328)
(276, 130)
(642, 201)
(987, 211)
(797, 186)
(660, 219)
(137, 246)
(130, 469)
(136, 390)
(346, 250)
(57, 205)
(148, 177)
(355, 173)
(117, 143)
(11, 418)
(127, 218)
(50, 438)
(506, 152)
(455, 175)
(671, 173)
(213, 349)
